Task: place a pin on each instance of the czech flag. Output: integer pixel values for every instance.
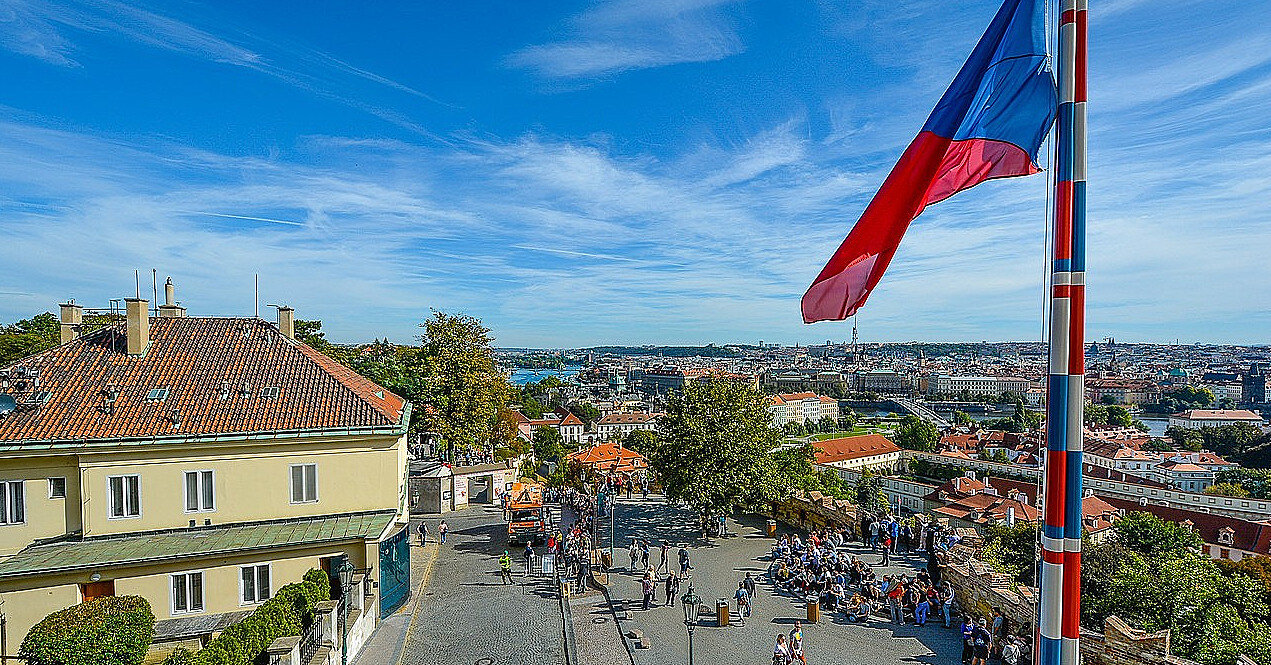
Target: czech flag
(989, 124)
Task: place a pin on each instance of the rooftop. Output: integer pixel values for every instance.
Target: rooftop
(853, 447)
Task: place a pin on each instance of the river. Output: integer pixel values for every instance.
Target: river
(521, 376)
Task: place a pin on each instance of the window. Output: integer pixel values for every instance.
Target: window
(269, 392)
(200, 493)
(187, 593)
(255, 583)
(12, 502)
(42, 396)
(125, 496)
(304, 483)
(157, 394)
(57, 488)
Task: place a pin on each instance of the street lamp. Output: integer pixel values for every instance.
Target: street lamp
(345, 571)
(692, 606)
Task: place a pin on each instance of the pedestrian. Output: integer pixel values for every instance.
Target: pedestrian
(634, 552)
(886, 543)
(529, 558)
(505, 567)
(982, 640)
(873, 535)
(684, 564)
(946, 603)
(442, 530)
(796, 644)
(894, 531)
(921, 610)
(781, 652)
(423, 533)
(644, 554)
(646, 585)
(672, 587)
(644, 489)
(749, 584)
(968, 644)
(665, 562)
(894, 592)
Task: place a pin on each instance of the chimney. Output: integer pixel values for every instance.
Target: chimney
(287, 321)
(170, 308)
(138, 325)
(72, 318)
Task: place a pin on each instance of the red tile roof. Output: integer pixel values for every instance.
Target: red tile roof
(1246, 535)
(214, 370)
(609, 457)
(852, 447)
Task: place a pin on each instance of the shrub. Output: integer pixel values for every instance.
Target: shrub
(289, 612)
(106, 631)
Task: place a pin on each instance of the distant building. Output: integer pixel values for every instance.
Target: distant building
(801, 407)
(946, 384)
(1122, 391)
(1225, 538)
(618, 425)
(883, 381)
(611, 459)
(1198, 418)
(1254, 385)
(864, 452)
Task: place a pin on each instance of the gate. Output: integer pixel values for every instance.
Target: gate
(394, 571)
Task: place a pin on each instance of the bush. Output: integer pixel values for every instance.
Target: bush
(289, 612)
(107, 631)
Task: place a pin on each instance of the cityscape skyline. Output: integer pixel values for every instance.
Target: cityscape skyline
(686, 163)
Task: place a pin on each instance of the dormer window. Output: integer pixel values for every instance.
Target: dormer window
(1226, 535)
(269, 392)
(157, 394)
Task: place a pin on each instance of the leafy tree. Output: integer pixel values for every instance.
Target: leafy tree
(794, 428)
(798, 470)
(465, 389)
(914, 433)
(1192, 397)
(1227, 489)
(868, 494)
(847, 421)
(1256, 482)
(586, 412)
(549, 446)
(1232, 440)
(1012, 550)
(28, 337)
(1119, 416)
(961, 419)
(1153, 537)
(1157, 446)
(310, 332)
(1184, 438)
(642, 441)
(713, 447)
(827, 424)
(1257, 567)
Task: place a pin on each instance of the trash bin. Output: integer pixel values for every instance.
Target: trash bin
(606, 560)
(721, 611)
(772, 528)
(814, 611)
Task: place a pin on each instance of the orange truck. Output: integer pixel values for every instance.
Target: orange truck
(527, 518)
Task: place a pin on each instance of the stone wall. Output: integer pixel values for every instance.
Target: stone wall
(1121, 644)
(979, 589)
(814, 510)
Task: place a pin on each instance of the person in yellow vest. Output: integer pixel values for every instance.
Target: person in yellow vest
(505, 567)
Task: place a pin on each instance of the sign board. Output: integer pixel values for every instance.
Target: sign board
(549, 564)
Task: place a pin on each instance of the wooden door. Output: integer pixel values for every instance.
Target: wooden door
(95, 590)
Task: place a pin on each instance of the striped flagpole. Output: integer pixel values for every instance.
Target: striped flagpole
(1060, 592)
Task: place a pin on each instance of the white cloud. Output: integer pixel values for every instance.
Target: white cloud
(622, 35)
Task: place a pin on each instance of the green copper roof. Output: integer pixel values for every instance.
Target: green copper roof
(111, 551)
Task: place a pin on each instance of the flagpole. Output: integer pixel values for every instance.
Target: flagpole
(1060, 585)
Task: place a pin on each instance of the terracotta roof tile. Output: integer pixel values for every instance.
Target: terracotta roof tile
(214, 370)
(852, 447)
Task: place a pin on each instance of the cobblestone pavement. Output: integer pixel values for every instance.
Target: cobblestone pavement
(718, 565)
(465, 615)
(385, 645)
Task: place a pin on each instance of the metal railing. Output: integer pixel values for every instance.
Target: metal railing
(310, 641)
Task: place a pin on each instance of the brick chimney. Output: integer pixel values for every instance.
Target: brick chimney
(287, 321)
(72, 318)
(170, 308)
(138, 325)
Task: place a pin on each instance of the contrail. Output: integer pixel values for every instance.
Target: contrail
(246, 217)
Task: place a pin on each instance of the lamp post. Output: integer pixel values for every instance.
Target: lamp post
(345, 571)
(692, 605)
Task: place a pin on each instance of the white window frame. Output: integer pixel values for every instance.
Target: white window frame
(185, 490)
(109, 504)
(6, 502)
(291, 483)
(255, 568)
(64, 490)
(172, 601)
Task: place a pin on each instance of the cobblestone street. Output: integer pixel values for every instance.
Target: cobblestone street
(718, 565)
(465, 615)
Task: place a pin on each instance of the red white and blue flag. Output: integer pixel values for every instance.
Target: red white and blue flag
(989, 124)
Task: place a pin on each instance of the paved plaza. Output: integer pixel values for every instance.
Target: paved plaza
(718, 565)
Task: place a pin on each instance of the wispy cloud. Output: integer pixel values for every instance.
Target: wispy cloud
(622, 35)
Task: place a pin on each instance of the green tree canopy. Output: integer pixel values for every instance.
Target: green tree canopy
(642, 441)
(868, 494)
(549, 446)
(465, 390)
(712, 447)
(1152, 536)
(914, 433)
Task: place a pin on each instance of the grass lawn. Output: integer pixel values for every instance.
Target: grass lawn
(855, 431)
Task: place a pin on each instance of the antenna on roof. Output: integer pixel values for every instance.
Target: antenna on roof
(256, 302)
(154, 279)
(137, 275)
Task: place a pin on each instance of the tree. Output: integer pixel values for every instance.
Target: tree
(961, 419)
(1152, 536)
(1184, 438)
(1012, 550)
(1227, 489)
(586, 412)
(642, 441)
(869, 495)
(549, 446)
(914, 433)
(28, 337)
(465, 389)
(1157, 446)
(847, 420)
(713, 447)
(1255, 482)
(794, 428)
(310, 332)
(1231, 440)
(1119, 416)
(798, 470)
(1192, 397)
(827, 424)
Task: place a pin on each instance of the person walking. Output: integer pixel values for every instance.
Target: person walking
(442, 530)
(796, 644)
(422, 530)
(528, 554)
(886, 546)
(644, 554)
(893, 530)
(749, 584)
(634, 552)
(672, 587)
(743, 600)
(505, 567)
(646, 586)
(781, 652)
(982, 641)
(968, 644)
(665, 561)
(684, 564)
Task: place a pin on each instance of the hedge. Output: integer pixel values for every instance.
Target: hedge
(114, 630)
(289, 612)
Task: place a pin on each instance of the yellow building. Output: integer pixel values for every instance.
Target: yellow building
(199, 462)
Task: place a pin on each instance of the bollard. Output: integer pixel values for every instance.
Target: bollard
(721, 611)
(814, 611)
(772, 528)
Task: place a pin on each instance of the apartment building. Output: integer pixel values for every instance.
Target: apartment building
(199, 462)
(801, 407)
(618, 425)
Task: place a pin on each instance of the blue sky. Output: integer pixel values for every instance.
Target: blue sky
(625, 171)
